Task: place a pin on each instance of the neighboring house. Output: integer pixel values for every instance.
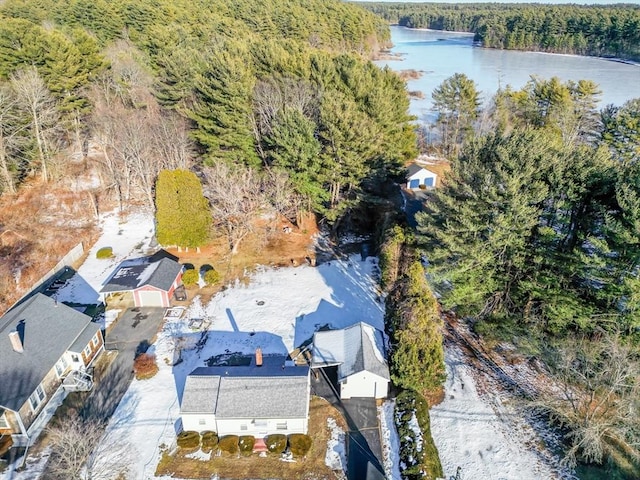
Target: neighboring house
(43, 343)
(247, 400)
(144, 282)
(417, 176)
(358, 352)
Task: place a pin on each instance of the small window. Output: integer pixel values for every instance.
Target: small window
(36, 398)
(261, 423)
(87, 351)
(75, 358)
(281, 426)
(243, 426)
(202, 421)
(3, 421)
(94, 340)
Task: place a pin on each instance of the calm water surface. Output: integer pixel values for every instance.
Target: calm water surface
(441, 54)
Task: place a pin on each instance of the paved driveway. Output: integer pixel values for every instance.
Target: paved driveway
(363, 438)
(131, 335)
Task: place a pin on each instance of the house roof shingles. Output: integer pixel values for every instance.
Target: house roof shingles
(50, 329)
(354, 349)
(248, 392)
(138, 272)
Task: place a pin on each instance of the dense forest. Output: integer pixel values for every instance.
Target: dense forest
(282, 89)
(611, 30)
(535, 236)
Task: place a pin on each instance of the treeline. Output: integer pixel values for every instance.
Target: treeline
(611, 30)
(136, 87)
(535, 235)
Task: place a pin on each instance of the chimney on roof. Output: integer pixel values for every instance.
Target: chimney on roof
(16, 341)
(258, 357)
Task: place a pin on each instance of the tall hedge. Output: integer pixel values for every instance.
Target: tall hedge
(417, 354)
(182, 211)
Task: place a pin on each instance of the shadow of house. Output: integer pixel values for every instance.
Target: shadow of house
(223, 348)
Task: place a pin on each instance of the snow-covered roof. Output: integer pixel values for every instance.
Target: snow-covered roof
(269, 391)
(138, 272)
(354, 349)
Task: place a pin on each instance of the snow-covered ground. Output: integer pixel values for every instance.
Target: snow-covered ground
(128, 237)
(336, 456)
(390, 441)
(482, 435)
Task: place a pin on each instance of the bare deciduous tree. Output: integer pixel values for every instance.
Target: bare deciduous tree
(10, 139)
(34, 98)
(598, 398)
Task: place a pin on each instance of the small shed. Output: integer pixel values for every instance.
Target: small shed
(149, 281)
(420, 177)
(358, 351)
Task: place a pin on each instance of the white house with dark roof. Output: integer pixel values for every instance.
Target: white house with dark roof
(43, 344)
(145, 282)
(358, 352)
(247, 400)
(420, 177)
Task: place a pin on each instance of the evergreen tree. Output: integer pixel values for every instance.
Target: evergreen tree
(457, 102)
(182, 212)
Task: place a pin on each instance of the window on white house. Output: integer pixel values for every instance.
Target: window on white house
(36, 398)
(281, 426)
(243, 426)
(261, 423)
(75, 358)
(201, 421)
(61, 366)
(3, 421)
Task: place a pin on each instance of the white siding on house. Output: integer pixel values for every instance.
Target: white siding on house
(364, 384)
(260, 427)
(422, 177)
(199, 422)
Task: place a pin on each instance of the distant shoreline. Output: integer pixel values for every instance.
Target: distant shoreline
(611, 59)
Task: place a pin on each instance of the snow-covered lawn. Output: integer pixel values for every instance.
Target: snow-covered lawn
(336, 456)
(128, 238)
(480, 434)
(390, 441)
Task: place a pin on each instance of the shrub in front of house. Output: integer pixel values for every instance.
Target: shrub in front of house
(145, 366)
(299, 444)
(211, 277)
(190, 277)
(246, 443)
(209, 441)
(229, 444)
(276, 443)
(188, 439)
(104, 252)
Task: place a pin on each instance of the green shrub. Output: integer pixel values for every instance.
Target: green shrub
(246, 443)
(211, 277)
(104, 252)
(276, 443)
(188, 439)
(228, 444)
(426, 460)
(209, 441)
(190, 277)
(299, 444)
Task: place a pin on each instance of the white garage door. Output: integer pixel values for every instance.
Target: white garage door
(150, 299)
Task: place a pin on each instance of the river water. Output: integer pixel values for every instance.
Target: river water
(438, 55)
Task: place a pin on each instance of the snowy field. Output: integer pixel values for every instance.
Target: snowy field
(480, 434)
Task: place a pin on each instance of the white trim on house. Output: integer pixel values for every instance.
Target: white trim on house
(37, 397)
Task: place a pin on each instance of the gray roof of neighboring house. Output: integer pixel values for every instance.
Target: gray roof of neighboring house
(248, 392)
(138, 272)
(354, 349)
(49, 329)
(415, 168)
